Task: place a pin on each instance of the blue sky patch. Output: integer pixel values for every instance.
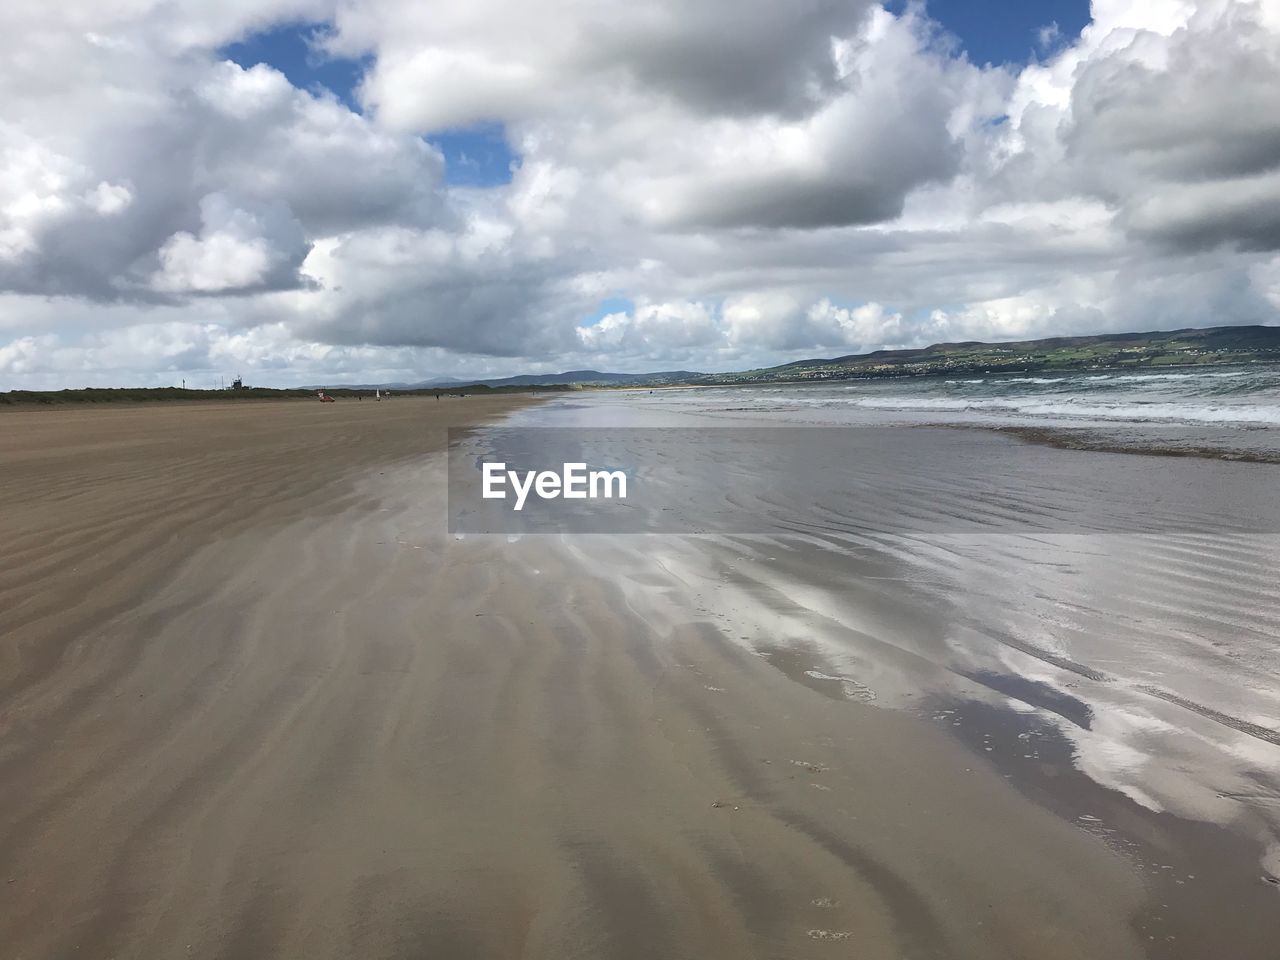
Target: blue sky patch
(606, 307)
(477, 156)
(290, 50)
(1005, 31)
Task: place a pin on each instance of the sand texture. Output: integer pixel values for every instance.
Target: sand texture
(258, 703)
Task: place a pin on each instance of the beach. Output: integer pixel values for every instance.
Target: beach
(259, 701)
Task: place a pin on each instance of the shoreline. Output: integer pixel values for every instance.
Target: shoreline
(1086, 439)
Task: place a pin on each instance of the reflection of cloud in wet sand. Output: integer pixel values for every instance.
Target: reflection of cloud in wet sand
(1130, 683)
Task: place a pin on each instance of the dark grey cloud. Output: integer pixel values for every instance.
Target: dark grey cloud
(799, 202)
(1189, 218)
(1185, 140)
(511, 315)
(735, 58)
(401, 288)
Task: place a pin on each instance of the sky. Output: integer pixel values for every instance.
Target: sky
(329, 191)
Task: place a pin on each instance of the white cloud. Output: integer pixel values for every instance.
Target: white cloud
(745, 327)
(861, 328)
(103, 187)
(108, 198)
(652, 328)
(241, 247)
(1049, 34)
(1180, 131)
(763, 181)
(40, 188)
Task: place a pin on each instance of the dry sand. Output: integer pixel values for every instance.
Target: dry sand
(256, 703)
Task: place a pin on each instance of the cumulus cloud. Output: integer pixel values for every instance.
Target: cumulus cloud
(884, 129)
(110, 172)
(652, 328)
(740, 327)
(44, 193)
(1163, 111)
(334, 169)
(451, 65)
(240, 248)
(1181, 131)
(761, 182)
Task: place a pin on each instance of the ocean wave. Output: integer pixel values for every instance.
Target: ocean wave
(1188, 375)
(1083, 408)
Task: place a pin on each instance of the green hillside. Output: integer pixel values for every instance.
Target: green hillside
(1215, 345)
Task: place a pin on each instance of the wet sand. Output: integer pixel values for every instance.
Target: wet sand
(256, 702)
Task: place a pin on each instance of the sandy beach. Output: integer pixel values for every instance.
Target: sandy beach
(258, 703)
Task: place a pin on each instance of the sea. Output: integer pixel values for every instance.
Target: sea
(1225, 411)
(1239, 397)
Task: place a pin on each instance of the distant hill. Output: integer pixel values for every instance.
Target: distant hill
(1129, 351)
(1213, 345)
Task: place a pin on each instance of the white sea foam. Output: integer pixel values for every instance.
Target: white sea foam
(1080, 408)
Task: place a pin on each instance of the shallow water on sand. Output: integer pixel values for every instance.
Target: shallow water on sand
(1129, 681)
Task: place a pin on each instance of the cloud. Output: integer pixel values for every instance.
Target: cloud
(334, 169)
(884, 130)
(652, 328)
(453, 65)
(1150, 123)
(1049, 34)
(892, 117)
(241, 247)
(107, 190)
(1163, 111)
(743, 326)
(46, 194)
(762, 181)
